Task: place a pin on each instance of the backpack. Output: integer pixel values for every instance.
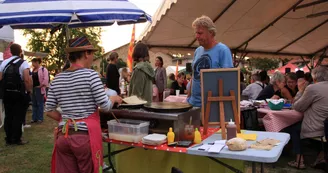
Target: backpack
(12, 81)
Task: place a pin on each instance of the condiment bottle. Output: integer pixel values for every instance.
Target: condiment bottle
(231, 130)
(170, 136)
(197, 137)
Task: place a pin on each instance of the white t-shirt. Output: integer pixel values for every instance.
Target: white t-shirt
(21, 68)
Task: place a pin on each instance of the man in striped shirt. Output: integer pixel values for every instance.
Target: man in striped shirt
(79, 92)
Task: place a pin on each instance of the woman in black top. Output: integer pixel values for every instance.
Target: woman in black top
(272, 90)
(290, 90)
(179, 85)
(112, 75)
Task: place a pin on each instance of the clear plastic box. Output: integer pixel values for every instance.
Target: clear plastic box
(128, 130)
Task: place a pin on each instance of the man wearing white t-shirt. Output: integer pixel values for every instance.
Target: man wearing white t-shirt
(15, 94)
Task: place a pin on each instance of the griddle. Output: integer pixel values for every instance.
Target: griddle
(130, 106)
(167, 107)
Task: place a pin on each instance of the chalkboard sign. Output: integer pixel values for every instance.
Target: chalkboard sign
(230, 78)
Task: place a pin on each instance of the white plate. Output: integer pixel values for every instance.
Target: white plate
(155, 137)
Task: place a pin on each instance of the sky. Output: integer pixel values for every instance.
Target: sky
(113, 36)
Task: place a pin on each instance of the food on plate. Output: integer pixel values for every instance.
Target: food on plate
(269, 141)
(237, 144)
(265, 144)
(134, 100)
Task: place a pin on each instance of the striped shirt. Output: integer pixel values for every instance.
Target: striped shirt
(78, 93)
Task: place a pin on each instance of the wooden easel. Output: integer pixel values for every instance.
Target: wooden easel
(221, 99)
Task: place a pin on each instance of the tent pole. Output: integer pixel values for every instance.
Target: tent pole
(306, 64)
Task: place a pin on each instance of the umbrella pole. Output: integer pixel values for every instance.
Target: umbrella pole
(67, 34)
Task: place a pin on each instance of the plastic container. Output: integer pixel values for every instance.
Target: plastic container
(128, 130)
(231, 130)
(277, 107)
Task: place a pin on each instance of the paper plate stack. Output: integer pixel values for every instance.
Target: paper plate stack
(154, 139)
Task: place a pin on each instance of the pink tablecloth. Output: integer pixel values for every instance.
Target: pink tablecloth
(274, 121)
(181, 99)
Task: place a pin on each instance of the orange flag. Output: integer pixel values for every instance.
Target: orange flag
(177, 70)
(130, 60)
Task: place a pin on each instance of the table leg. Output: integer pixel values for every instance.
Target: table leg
(111, 165)
(262, 167)
(226, 165)
(253, 167)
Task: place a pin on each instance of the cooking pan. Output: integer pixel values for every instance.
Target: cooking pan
(167, 107)
(130, 106)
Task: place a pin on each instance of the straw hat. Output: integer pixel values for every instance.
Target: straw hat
(79, 44)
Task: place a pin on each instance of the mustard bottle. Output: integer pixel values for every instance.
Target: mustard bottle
(197, 137)
(170, 136)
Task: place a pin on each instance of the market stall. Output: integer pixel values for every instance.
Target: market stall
(162, 157)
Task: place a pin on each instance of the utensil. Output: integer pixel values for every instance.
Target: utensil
(189, 130)
(115, 117)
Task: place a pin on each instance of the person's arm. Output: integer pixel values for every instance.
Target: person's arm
(164, 78)
(45, 80)
(27, 80)
(225, 58)
(51, 105)
(107, 75)
(54, 115)
(303, 100)
(173, 88)
(1, 70)
(286, 94)
(99, 93)
(247, 90)
(189, 88)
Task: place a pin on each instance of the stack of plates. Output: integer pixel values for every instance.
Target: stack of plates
(154, 139)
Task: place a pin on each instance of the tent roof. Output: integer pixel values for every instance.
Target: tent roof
(275, 27)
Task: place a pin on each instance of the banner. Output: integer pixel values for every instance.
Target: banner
(130, 60)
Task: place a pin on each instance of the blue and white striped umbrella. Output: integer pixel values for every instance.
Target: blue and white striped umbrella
(22, 14)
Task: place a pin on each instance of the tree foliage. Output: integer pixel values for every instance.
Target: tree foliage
(54, 43)
(265, 63)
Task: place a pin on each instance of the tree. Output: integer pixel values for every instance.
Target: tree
(54, 43)
(265, 63)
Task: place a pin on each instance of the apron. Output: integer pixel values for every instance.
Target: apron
(93, 124)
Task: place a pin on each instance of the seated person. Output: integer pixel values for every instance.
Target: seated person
(272, 90)
(170, 80)
(290, 90)
(242, 82)
(300, 74)
(312, 100)
(265, 79)
(179, 85)
(253, 89)
(308, 77)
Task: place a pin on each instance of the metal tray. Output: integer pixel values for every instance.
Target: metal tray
(167, 107)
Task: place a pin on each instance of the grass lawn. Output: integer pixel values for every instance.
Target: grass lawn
(35, 156)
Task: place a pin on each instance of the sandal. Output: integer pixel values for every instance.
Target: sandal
(319, 164)
(294, 164)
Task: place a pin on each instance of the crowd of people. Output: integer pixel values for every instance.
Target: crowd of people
(307, 94)
(19, 86)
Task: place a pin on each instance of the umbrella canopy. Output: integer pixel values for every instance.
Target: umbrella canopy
(292, 67)
(23, 14)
